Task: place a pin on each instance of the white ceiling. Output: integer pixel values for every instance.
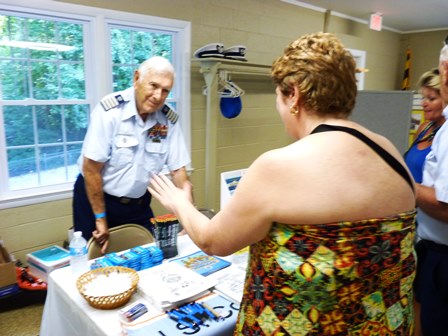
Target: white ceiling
(398, 15)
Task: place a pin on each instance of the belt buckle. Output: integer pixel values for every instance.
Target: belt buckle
(125, 200)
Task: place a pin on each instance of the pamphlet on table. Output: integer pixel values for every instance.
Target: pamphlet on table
(169, 285)
(202, 263)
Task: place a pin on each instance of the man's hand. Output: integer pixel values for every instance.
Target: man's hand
(180, 180)
(188, 190)
(166, 192)
(101, 234)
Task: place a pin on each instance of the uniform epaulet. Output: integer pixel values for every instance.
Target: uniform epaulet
(170, 114)
(111, 101)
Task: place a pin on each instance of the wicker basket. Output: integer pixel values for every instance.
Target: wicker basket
(108, 301)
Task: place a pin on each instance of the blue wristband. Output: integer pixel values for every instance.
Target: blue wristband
(100, 215)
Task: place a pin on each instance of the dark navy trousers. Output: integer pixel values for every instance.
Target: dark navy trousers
(432, 287)
(118, 210)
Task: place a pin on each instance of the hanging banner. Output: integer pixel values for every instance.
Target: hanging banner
(406, 83)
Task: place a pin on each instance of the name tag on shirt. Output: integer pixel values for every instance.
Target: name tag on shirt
(124, 140)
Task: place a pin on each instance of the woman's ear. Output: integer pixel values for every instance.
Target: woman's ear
(294, 96)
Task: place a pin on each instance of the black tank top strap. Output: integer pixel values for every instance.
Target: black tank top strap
(391, 161)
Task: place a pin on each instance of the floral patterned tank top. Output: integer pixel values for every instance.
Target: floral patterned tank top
(346, 278)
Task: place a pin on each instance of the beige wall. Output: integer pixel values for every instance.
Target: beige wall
(425, 50)
(382, 51)
(265, 27)
(26, 229)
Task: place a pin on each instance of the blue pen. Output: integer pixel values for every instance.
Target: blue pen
(199, 310)
(206, 311)
(184, 316)
(179, 320)
(202, 311)
(184, 323)
(191, 313)
(182, 319)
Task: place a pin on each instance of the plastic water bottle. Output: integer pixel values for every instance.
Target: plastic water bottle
(78, 254)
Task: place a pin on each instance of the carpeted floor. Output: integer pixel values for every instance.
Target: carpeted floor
(21, 322)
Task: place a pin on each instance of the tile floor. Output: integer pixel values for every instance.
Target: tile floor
(21, 322)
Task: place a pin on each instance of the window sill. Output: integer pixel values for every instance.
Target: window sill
(35, 199)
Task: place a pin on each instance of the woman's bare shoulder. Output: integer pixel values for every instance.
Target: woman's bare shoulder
(283, 156)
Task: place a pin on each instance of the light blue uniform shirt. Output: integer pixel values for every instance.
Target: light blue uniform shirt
(435, 174)
(132, 149)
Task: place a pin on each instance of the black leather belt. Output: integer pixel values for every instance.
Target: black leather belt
(442, 248)
(127, 200)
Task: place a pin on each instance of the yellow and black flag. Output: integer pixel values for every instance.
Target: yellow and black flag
(406, 84)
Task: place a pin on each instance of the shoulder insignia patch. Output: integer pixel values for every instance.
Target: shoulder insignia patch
(170, 114)
(111, 101)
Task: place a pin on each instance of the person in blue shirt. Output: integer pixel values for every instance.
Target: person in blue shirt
(432, 105)
(132, 135)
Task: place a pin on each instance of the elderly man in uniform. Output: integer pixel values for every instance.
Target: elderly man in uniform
(131, 136)
(432, 217)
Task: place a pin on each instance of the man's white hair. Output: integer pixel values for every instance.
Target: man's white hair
(444, 54)
(157, 64)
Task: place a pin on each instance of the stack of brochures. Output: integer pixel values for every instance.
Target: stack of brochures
(170, 285)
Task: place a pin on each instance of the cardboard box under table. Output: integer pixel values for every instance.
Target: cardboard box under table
(7, 269)
(42, 262)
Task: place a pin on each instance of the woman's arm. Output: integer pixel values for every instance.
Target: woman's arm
(243, 221)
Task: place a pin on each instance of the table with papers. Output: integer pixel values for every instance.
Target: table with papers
(67, 313)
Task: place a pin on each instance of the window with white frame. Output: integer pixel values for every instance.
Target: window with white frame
(130, 46)
(56, 63)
